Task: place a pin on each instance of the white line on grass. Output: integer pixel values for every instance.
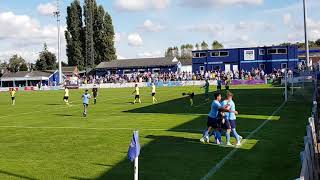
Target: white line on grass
(214, 169)
(93, 128)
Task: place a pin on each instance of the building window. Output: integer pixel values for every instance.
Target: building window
(272, 51)
(199, 55)
(224, 53)
(203, 54)
(262, 66)
(262, 52)
(220, 54)
(201, 68)
(278, 51)
(282, 51)
(284, 65)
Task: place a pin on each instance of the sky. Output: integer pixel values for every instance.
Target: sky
(145, 28)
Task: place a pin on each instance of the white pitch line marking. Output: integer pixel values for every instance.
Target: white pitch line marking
(214, 169)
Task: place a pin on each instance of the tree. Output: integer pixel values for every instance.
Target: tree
(23, 67)
(15, 62)
(217, 45)
(318, 42)
(103, 36)
(186, 51)
(90, 7)
(75, 35)
(197, 46)
(204, 46)
(3, 68)
(47, 60)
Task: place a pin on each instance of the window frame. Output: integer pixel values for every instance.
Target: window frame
(260, 52)
(277, 51)
(219, 53)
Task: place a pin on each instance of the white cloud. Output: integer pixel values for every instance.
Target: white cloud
(254, 25)
(148, 25)
(139, 5)
(152, 54)
(211, 29)
(297, 33)
(23, 35)
(120, 57)
(135, 39)
(46, 9)
(218, 3)
(117, 37)
(287, 18)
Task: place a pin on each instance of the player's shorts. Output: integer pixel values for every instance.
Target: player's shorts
(153, 94)
(233, 124)
(85, 104)
(65, 97)
(13, 98)
(95, 95)
(226, 125)
(212, 122)
(219, 87)
(192, 95)
(137, 97)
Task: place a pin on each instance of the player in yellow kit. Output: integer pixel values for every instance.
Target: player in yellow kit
(13, 95)
(137, 96)
(66, 95)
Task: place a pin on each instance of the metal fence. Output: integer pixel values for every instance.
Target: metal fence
(309, 156)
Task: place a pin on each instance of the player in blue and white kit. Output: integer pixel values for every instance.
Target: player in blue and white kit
(231, 119)
(85, 100)
(214, 120)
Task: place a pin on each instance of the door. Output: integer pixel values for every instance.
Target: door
(227, 67)
(235, 68)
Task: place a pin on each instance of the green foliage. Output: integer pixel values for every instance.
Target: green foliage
(15, 63)
(91, 42)
(217, 45)
(186, 51)
(204, 46)
(47, 60)
(75, 35)
(172, 52)
(103, 37)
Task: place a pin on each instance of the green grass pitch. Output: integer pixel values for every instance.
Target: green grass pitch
(42, 138)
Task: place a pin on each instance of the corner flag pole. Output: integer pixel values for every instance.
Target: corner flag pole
(136, 168)
(285, 85)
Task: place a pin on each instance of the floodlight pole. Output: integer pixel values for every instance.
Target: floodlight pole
(306, 33)
(57, 15)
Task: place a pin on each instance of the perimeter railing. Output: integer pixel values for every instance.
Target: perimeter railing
(310, 154)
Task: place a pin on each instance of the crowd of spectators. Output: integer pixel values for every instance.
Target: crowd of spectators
(255, 74)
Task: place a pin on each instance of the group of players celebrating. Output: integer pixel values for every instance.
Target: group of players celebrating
(222, 118)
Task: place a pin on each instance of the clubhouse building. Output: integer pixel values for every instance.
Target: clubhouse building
(237, 59)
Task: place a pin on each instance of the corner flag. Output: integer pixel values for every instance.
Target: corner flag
(134, 148)
(134, 152)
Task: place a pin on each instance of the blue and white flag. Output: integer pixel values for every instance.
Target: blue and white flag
(134, 148)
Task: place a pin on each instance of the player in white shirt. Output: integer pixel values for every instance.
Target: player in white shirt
(153, 93)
